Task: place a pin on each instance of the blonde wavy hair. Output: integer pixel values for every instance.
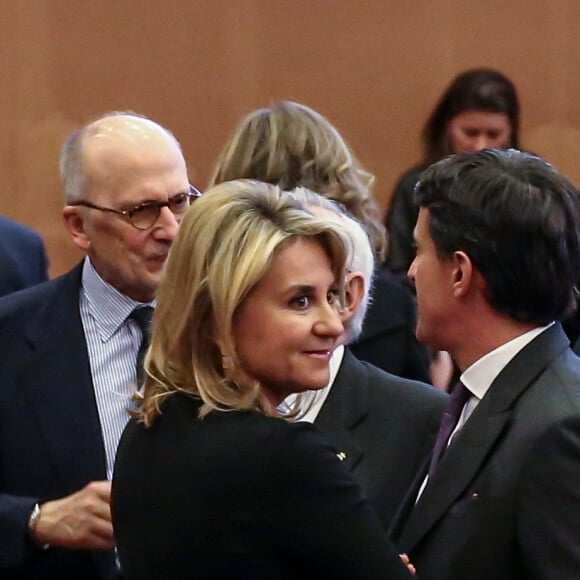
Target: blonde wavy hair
(225, 246)
(290, 145)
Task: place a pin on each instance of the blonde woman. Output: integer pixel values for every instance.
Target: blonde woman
(290, 145)
(209, 481)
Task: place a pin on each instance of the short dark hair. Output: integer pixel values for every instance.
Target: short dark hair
(484, 90)
(517, 218)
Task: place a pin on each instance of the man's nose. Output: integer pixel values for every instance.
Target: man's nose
(167, 225)
(480, 142)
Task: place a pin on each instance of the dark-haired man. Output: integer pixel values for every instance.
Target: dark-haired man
(497, 259)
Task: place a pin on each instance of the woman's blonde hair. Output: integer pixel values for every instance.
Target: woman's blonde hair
(291, 145)
(225, 246)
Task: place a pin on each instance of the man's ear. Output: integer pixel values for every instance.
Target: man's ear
(465, 276)
(75, 224)
(354, 294)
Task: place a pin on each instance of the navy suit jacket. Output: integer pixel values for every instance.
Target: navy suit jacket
(384, 425)
(504, 502)
(23, 260)
(50, 438)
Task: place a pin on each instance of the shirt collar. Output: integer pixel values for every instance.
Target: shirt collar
(322, 394)
(479, 377)
(108, 307)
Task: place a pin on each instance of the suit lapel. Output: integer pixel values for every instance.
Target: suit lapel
(345, 406)
(58, 385)
(464, 459)
(456, 470)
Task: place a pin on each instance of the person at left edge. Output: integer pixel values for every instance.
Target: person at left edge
(68, 350)
(23, 259)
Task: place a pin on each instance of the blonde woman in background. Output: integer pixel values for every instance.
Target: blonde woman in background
(291, 145)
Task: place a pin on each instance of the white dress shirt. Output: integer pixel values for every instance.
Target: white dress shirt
(112, 343)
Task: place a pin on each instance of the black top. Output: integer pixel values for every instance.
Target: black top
(400, 222)
(240, 495)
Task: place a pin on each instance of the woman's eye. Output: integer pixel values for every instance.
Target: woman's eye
(301, 302)
(332, 296)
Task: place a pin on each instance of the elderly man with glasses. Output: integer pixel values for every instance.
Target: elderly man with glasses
(71, 349)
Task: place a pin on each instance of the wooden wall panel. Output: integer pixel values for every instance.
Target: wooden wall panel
(374, 67)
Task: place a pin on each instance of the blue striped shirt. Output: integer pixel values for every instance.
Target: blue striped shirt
(113, 343)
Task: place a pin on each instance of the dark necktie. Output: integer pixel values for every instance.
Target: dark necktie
(459, 396)
(142, 316)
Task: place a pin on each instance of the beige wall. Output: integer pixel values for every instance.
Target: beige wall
(374, 67)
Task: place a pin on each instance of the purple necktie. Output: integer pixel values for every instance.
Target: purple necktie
(459, 396)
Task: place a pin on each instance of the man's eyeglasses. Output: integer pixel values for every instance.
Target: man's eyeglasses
(144, 215)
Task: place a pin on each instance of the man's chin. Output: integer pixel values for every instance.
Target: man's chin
(424, 337)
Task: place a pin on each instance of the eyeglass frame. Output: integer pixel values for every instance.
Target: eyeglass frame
(128, 214)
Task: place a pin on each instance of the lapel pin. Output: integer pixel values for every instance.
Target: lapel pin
(341, 455)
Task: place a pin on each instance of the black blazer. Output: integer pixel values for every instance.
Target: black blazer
(50, 438)
(240, 495)
(386, 427)
(23, 260)
(504, 502)
(388, 337)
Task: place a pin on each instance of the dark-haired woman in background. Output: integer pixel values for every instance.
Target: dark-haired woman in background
(480, 109)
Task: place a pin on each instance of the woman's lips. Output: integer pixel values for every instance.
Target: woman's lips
(319, 354)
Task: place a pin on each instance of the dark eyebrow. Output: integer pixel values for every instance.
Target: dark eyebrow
(304, 288)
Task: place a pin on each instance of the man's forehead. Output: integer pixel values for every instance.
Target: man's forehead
(125, 143)
(124, 131)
